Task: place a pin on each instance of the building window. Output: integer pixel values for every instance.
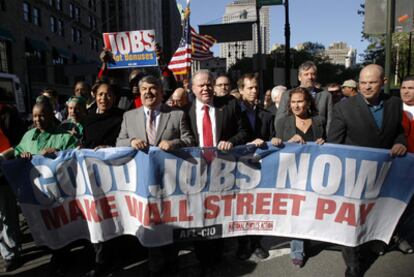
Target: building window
(3, 5)
(77, 14)
(71, 10)
(26, 11)
(58, 5)
(60, 28)
(53, 24)
(36, 17)
(92, 22)
(4, 64)
(76, 35)
(93, 43)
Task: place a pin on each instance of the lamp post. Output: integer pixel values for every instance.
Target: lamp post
(287, 45)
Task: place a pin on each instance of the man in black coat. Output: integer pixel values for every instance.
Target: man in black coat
(215, 122)
(369, 119)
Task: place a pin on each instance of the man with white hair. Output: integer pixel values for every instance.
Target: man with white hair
(276, 95)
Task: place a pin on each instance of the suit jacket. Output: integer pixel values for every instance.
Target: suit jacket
(286, 127)
(172, 126)
(264, 128)
(272, 109)
(323, 101)
(230, 124)
(353, 123)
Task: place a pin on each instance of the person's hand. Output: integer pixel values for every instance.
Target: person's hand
(224, 146)
(320, 141)
(276, 142)
(26, 155)
(100, 147)
(106, 56)
(166, 145)
(297, 139)
(398, 150)
(138, 144)
(48, 151)
(257, 142)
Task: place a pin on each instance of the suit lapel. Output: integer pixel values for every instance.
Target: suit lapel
(141, 131)
(219, 121)
(193, 121)
(366, 113)
(164, 117)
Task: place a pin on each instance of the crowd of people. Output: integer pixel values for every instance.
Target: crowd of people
(206, 112)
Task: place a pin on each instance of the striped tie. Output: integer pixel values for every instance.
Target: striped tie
(151, 130)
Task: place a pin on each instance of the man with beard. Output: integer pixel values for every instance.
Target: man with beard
(307, 77)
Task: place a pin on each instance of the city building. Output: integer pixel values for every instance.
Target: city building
(50, 43)
(239, 11)
(340, 53)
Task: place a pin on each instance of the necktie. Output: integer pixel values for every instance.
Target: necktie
(151, 130)
(207, 131)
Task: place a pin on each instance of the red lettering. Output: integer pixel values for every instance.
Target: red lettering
(364, 211)
(346, 213)
(228, 201)
(210, 204)
(54, 219)
(278, 204)
(108, 207)
(245, 203)
(324, 206)
(90, 210)
(183, 214)
(297, 202)
(166, 212)
(262, 203)
(76, 210)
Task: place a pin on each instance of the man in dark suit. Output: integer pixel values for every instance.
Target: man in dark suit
(369, 119)
(215, 122)
(159, 125)
(260, 130)
(307, 77)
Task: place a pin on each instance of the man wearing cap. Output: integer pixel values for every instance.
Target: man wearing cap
(349, 88)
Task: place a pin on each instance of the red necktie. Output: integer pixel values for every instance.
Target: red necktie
(207, 132)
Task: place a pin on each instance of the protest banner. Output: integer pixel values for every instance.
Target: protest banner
(131, 49)
(339, 194)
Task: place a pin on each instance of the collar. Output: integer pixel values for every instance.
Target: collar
(200, 105)
(246, 107)
(156, 110)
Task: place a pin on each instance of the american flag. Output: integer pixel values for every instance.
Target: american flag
(180, 63)
(193, 46)
(201, 46)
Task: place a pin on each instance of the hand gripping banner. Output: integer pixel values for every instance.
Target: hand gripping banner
(339, 194)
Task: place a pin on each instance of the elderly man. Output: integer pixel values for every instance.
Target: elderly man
(216, 122)
(222, 86)
(323, 99)
(370, 119)
(349, 88)
(159, 125)
(179, 99)
(276, 95)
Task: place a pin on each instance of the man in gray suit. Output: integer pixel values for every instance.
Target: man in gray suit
(307, 77)
(154, 123)
(159, 125)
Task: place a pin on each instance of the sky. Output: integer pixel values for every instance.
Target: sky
(323, 21)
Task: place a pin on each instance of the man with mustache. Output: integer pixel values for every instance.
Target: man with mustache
(156, 124)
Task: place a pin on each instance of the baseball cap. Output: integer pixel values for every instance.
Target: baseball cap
(350, 84)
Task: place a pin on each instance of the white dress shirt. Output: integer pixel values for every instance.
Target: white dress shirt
(199, 116)
(157, 117)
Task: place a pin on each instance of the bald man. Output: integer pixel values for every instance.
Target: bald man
(179, 99)
(369, 119)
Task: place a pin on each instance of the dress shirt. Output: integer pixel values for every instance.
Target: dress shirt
(251, 114)
(157, 113)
